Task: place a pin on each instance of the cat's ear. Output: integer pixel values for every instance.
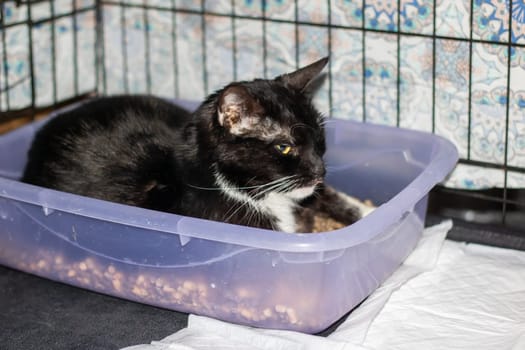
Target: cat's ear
(303, 76)
(237, 110)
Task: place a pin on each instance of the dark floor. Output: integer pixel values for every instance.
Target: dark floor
(39, 314)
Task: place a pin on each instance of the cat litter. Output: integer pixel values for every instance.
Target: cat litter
(157, 288)
(239, 274)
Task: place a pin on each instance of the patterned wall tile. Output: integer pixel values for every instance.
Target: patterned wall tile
(189, 57)
(86, 54)
(347, 12)
(13, 13)
(223, 6)
(451, 92)
(491, 20)
(416, 83)
(18, 67)
(516, 142)
(85, 3)
(453, 18)
(488, 105)
(499, 51)
(417, 16)
(280, 40)
(219, 52)
(40, 10)
(113, 55)
(249, 51)
(162, 47)
(518, 57)
(43, 63)
(381, 14)
(19, 86)
(135, 50)
(188, 4)
(135, 2)
(65, 72)
(313, 45)
(313, 11)
(518, 21)
(62, 7)
(475, 178)
(3, 77)
(515, 179)
(165, 4)
(347, 74)
(3, 82)
(381, 78)
(284, 10)
(249, 7)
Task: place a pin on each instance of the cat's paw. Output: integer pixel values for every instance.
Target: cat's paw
(367, 208)
(364, 207)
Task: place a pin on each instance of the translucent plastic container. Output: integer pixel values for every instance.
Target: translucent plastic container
(302, 282)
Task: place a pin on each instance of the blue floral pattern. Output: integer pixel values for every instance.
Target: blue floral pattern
(429, 80)
(417, 16)
(491, 20)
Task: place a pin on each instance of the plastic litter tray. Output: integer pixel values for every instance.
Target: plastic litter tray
(301, 282)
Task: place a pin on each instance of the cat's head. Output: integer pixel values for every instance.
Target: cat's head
(271, 137)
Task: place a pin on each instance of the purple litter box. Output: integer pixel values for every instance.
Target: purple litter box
(262, 278)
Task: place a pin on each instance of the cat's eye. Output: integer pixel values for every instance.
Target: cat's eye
(283, 148)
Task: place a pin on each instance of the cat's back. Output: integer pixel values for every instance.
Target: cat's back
(106, 147)
(115, 113)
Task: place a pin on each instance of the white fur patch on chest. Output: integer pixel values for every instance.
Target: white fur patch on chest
(281, 206)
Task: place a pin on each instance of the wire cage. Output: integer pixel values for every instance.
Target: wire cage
(454, 68)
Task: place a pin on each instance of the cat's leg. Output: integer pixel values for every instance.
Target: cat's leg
(337, 206)
(352, 202)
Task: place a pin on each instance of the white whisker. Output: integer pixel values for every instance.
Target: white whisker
(235, 187)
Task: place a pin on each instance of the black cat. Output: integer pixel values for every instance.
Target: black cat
(250, 155)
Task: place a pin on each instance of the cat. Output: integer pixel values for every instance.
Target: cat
(251, 154)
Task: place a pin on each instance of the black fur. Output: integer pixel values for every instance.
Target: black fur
(147, 152)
